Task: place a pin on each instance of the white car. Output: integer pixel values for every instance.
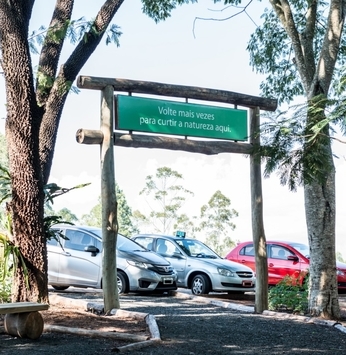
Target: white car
(198, 267)
(77, 261)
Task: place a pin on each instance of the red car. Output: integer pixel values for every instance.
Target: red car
(284, 258)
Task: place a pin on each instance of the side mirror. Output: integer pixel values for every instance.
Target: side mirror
(292, 258)
(92, 249)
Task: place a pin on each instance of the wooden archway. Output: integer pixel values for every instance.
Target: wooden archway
(107, 138)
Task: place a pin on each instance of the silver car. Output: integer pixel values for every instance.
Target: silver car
(78, 262)
(199, 268)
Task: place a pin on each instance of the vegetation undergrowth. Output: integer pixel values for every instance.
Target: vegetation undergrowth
(5, 279)
(5, 288)
(289, 296)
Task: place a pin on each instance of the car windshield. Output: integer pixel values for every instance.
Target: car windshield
(302, 248)
(196, 249)
(96, 231)
(126, 244)
(123, 243)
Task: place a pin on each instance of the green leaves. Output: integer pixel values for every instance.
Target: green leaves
(5, 185)
(271, 53)
(289, 296)
(295, 144)
(161, 10)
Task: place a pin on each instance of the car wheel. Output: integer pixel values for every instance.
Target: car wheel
(60, 288)
(200, 285)
(122, 282)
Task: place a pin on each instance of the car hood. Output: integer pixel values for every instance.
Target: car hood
(224, 263)
(144, 256)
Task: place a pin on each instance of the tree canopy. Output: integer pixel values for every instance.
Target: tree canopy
(299, 47)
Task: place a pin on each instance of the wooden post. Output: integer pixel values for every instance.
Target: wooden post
(109, 203)
(261, 300)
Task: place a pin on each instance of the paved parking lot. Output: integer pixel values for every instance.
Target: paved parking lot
(190, 325)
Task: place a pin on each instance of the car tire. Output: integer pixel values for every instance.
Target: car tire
(60, 288)
(122, 282)
(200, 285)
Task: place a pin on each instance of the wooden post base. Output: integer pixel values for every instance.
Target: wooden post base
(24, 325)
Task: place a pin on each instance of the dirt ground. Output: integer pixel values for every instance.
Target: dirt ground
(68, 316)
(72, 318)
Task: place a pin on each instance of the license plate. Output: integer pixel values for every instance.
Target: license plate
(247, 283)
(167, 281)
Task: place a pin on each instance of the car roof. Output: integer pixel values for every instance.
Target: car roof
(67, 225)
(155, 236)
(274, 241)
(90, 229)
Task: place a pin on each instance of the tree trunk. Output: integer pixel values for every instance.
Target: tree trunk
(22, 127)
(320, 217)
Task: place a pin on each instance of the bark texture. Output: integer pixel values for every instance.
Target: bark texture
(33, 116)
(22, 127)
(320, 216)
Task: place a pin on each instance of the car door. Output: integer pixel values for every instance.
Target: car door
(171, 252)
(54, 251)
(77, 266)
(246, 256)
(281, 263)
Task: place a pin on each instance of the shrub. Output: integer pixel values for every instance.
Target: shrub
(288, 296)
(5, 283)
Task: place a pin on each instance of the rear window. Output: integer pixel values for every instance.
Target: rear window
(248, 250)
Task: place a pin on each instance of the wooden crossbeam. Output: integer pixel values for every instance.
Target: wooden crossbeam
(183, 91)
(21, 307)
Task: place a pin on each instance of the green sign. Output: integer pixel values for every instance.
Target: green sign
(178, 118)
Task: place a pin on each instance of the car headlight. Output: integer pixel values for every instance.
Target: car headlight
(225, 272)
(139, 264)
(340, 273)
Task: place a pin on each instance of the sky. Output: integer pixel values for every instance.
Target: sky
(209, 54)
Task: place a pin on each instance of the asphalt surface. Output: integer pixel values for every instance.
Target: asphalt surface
(190, 325)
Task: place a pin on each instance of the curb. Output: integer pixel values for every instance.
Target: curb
(235, 306)
(97, 307)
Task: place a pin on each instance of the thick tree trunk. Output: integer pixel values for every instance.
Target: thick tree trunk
(22, 127)
(320, 217)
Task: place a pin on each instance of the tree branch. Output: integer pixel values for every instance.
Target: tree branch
(242, 9)
(330, 48)
(307, 40)
(52, 47)
(65, 78)
(284, 13)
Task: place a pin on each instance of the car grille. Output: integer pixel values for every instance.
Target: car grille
(245, 274)
(160, 286)
(162, 270)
